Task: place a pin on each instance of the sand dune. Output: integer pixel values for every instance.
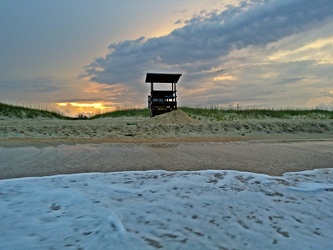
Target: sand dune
(175, 125)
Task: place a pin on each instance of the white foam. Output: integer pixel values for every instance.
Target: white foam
(168, 210)
(312, 187)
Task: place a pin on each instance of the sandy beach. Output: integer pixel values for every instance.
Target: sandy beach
(174, 141)
(167, 182)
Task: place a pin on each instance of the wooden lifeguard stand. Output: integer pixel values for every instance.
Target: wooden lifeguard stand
(162, 101)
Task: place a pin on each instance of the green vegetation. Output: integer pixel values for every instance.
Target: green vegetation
(210, 114)
(24, 112)
(234, 114)
(230, 114)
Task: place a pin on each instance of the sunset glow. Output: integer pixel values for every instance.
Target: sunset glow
(274, 51)
(312, 51)
(225, 78)
(98, 105)
(73, 108)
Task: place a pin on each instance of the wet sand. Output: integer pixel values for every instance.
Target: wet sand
(272, 157)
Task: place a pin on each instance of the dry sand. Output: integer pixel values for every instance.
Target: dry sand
(172, 141)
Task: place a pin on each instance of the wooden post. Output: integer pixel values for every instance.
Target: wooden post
(175, 94)
(151, 99)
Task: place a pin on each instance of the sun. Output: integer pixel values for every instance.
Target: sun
(97, 105)
(74, 108)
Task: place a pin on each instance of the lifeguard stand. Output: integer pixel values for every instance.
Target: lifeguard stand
(162, 101)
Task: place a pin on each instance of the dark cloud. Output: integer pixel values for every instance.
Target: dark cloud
(206, 38)
(179, 21)
(198, 47)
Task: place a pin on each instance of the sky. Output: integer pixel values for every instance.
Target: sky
(84, 56)
(168, 210)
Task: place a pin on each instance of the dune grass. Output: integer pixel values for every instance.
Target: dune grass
(212, 114)
(234, 114)
(216, 114)
(13, 111)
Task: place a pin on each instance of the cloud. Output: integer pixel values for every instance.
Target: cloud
(315, 50)
(79, 100)
(39, 85)
(289, 80)
(206, 40)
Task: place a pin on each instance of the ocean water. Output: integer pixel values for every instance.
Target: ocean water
(168, 210)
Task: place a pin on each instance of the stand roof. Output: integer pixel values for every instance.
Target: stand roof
(162, 78)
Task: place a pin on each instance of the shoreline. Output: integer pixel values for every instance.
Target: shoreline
(271, 157)
(46, 142)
